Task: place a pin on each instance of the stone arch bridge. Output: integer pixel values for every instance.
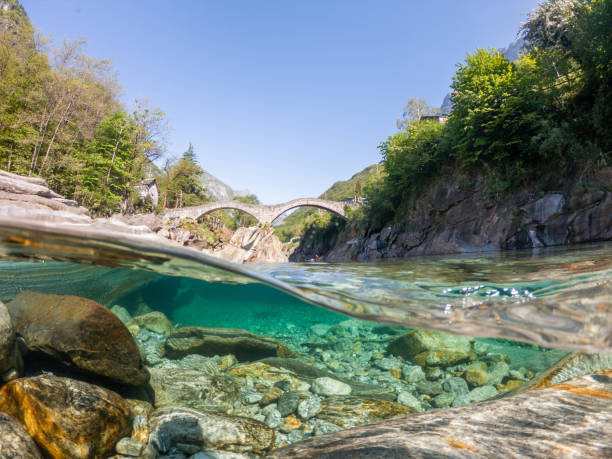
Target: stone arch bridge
(263, 213)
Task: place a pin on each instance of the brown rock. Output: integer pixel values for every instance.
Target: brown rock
(476, 374)
(67, 418)
(430, 347)
(268, 373)
(221, 341)
(80, 333)
(154, 321)
(15, 443)
(271, 395)
(351, 411)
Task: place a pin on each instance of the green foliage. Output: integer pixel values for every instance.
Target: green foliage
(179, 184)
(60, 119)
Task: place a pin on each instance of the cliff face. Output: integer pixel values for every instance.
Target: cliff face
(454, 217)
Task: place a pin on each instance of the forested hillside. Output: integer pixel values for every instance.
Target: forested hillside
(61, 119)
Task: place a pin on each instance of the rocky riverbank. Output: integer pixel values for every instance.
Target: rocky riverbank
(457, 217)
(84, 381)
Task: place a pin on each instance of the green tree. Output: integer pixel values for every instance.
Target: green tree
(413, 110)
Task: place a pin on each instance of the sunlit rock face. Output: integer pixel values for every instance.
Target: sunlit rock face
(67, 418)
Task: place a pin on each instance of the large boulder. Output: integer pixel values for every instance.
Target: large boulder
(11, 364)
(193, 389)
(430, 347)
(171, 426)
(80, 333)
(244, 345)
(67, 418)
(15, 443)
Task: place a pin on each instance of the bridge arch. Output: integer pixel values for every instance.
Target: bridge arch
(265, 214)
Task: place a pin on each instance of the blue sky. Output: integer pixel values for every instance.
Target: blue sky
(282, 97)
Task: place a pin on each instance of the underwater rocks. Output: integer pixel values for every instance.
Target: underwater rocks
(11, 363)
(193, 389)
(182, 426)
(15, 443)
(221, 341)
(430, 347)
(571, 419)
(67, 418)
(80, 333)
(155, 322)
(330, 386)
(354, 411)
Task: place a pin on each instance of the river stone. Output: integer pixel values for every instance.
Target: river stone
(80, 333)
(129, 447)
(310, 373)
(193, 389)
(456, 385)
(328, 386)
(309, 408)
(244, 345)
(67, 418)
(497, 372)
(443, 400)
(476, 374)
(429, 387)
(476, 395)
(273, 418)
(154, 321)
(271, 395)
(11, 364)
(15, 443)
(322, 428)
(350, 411)
(413, 373)
(571, 419)
(406, 398)
(170, 426)
(430, 347)
(265, 372)
(288, 403)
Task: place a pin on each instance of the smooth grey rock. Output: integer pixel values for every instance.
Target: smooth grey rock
(429, 387)
(322, 428)
(208, 430)
(283, 385)
(288, 403)
(456, 385)
(413, 373)
(433, 373)
(15, 443)
(476, 395)
(129, 447)
(295, 435)
(443, 400)
(309, 408)
(497, 372)
(406, 398)
(387, 363)
(11, 363)
(273, 419)
(328, 386)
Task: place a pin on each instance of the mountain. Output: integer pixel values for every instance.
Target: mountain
(217, 190)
